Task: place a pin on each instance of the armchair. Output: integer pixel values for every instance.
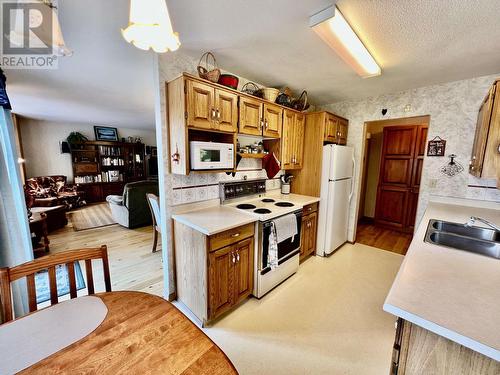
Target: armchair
(131, 209)
(49, 191)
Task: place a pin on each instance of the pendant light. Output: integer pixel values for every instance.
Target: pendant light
(150, 27)
(45, 36)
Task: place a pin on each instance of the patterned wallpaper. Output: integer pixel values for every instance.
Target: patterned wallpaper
(453, 109)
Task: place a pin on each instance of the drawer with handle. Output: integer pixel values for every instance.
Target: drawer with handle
(313, 207)
(230, 236)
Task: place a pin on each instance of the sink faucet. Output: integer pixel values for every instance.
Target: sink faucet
(473, 219)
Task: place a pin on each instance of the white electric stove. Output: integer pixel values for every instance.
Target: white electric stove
(249, 197)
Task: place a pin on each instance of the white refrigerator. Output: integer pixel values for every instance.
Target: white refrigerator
(336, 194)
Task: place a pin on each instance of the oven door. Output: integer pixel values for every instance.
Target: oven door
(211, 155)
(286, 249)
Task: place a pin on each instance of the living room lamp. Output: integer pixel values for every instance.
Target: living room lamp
(150, 27)
(332, 27)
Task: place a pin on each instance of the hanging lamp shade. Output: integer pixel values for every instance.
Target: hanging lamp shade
(47, 34)
(150, 27)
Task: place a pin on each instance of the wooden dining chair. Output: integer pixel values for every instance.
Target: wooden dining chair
(49, 262)
(154, 206)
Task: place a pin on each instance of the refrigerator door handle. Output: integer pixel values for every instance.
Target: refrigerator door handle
(352, 178)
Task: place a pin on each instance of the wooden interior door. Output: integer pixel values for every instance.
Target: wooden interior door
(395, 179)
(250, 116)
(273, 119)
(200, 105)
(226, 106)
(243, 270)
(287, 139)
(416, 175)
(298, 139)
(221, 280)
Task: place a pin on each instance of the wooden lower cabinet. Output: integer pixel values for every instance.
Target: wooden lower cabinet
(230, 271)
(213, 273)
(418, 351)
(309, 230)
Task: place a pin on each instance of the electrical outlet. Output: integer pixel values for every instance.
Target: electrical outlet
(433, 183)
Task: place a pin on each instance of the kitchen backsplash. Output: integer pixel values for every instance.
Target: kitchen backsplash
(453, 109)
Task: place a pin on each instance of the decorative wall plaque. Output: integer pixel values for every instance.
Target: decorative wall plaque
(436, 147)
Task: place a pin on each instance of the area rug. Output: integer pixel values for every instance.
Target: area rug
(93, 216)
(42, 285)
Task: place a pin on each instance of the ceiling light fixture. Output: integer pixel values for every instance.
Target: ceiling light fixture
(332, 27)
(48, 34)
(150, 27)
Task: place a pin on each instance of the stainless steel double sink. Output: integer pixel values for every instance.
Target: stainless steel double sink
(474, 239)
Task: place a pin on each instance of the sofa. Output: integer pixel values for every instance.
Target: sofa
(50, 191)
(131, 209)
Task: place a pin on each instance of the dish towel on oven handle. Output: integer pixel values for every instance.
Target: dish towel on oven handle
(286, 227)
(272, 254)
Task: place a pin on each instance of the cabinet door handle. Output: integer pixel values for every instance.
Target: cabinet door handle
(266, 125)
(218, 114)
(261, 124)
(309, 209)
(233, 258)
(213, 113)
(234, 235)
(237, 257)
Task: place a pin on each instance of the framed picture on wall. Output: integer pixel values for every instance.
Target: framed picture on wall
(104, 133)
(436, 147)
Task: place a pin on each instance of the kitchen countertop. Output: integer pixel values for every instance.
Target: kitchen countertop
(297, 199)
(453, 293)
(219, 218)
(216, 219)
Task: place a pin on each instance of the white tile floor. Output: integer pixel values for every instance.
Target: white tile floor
(326, 319)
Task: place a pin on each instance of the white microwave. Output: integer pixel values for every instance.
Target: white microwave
(211, 155)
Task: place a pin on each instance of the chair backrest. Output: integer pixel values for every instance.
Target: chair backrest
(49, 262)
(154, 206)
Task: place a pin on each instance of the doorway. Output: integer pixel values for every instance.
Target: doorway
(393, 157)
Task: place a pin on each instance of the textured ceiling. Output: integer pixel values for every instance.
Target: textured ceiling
(107, 81)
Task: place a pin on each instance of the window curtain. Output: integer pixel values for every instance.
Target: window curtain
(15, 237)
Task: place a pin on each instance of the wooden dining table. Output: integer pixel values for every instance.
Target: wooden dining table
(141, 334)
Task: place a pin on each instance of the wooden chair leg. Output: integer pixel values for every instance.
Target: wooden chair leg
(155, 240)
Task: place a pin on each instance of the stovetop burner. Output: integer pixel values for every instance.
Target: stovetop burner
(262, 211)
(284, 204)
(268, 200)
(245, 206)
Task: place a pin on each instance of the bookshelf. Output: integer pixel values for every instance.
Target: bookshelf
(103, 168)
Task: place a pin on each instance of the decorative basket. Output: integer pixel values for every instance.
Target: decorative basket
(229, 80)
(284, 99)
(301, 103)
(205, 72)
(270, 93)
(250, 88)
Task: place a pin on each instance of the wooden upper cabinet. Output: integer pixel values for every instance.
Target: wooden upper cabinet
(199, 105)
(226, 111)
(330, 128)
(298, 144)
(292, 140)
(273, 119)
(485, 157)
(342, 131)
(250, 121)
(287, 139)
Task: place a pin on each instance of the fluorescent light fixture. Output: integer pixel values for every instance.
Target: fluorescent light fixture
(332, 27)
(150, 27)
